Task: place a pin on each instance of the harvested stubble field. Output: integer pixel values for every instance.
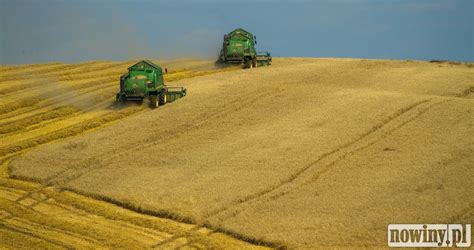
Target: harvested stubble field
(305, 153)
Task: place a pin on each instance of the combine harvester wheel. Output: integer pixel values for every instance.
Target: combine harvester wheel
(154, 102)
(163, 98)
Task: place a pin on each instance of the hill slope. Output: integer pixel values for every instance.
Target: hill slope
(308, 152)
(48, 102)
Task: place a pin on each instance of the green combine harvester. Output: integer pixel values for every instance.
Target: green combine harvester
(145, 80)
(239, 48)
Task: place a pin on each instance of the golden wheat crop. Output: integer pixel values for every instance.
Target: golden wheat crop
(305, 153)
(45, 103)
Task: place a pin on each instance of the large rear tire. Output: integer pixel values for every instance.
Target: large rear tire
(163, 98)
(245, 64)
(120, 100)
(154, 102)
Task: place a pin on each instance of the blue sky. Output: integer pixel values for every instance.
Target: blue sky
(34, 31)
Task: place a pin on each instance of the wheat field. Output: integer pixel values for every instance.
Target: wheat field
(306, 153)
(41, 104)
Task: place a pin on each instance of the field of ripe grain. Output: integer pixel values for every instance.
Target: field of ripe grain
(41, 104)
(32, 216)
(305, 153)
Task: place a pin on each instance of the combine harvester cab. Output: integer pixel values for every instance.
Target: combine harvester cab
(239, 48)
(145, 80)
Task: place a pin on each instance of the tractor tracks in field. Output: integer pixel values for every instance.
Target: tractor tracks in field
(65, 176)
(94, 122)
(62, 178)
(65, 235)
(29, 199)
(46, 119)
(33, 235)
(23, 225)
(26, 211)
(314, 170)
(9, 150)
(91, 217)
(69, 174)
